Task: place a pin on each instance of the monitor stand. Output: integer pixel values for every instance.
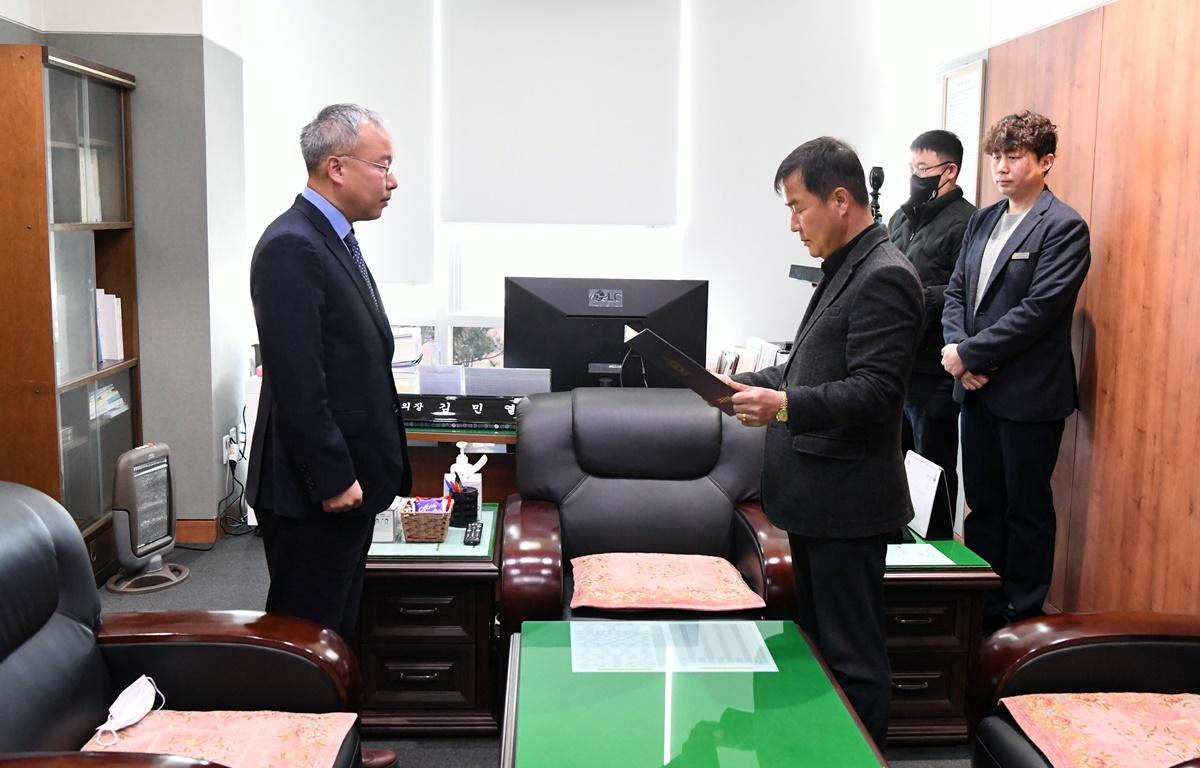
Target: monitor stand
(608, 373)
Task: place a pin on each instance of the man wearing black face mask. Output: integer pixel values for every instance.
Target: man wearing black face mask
(929, 228)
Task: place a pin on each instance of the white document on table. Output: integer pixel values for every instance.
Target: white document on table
(669, 646)
(915, 554)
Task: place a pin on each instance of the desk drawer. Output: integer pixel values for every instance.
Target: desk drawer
(418, 610)
(940, 624)
(418, 676)
(928, 684)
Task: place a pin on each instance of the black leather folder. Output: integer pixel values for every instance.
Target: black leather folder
(660, 352)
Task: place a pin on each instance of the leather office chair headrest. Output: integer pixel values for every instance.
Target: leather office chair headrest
(666, 434)
(44, 567)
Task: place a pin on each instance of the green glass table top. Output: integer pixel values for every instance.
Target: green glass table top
(451, 548)
(962, 557)
(793, 717)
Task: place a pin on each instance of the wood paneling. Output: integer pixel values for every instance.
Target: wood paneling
(1130, 163)
(29, 451)
(196, 531)
(1056, 72)
(1135, 538)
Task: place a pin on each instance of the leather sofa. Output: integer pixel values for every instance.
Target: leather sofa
(62, 663)
(633, 470)
(1074, 653)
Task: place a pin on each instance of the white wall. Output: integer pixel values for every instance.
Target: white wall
(766, 77)
(372, 52)
(28, 13)
(161, 17)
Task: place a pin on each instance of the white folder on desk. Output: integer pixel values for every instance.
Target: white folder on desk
(924, 482)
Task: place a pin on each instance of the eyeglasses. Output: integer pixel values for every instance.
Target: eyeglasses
(388, 169)
(921, 168)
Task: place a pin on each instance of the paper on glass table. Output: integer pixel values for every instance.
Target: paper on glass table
(915, 554)
(675, 646)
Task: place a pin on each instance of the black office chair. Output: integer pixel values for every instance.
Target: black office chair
(62, 663)
(1076, 653)
(634, 470)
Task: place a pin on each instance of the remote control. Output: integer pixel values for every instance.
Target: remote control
(473, 534)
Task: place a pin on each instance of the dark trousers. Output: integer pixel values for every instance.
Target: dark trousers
(931, 424)
(1006, 477)
(839, 602)
(316, 566)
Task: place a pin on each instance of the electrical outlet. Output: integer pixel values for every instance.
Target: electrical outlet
(228, 451)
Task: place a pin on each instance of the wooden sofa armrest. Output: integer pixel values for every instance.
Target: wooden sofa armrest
(102, 760)
(273, 661)
(531, 567)
(763, 556)
(1015, 648)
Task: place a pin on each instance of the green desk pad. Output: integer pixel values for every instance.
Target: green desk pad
(958, 554)
(791, 718)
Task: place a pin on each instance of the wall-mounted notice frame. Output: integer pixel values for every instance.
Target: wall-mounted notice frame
(962, 114)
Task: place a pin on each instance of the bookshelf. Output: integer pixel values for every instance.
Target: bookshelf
(66, 219)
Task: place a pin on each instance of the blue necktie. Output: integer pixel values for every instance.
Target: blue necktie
(356, 255)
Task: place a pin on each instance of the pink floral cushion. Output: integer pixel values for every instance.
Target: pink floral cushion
(237, 739)
(1110, 730)
(641, 580)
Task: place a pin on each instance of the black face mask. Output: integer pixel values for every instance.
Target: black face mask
(922, 189)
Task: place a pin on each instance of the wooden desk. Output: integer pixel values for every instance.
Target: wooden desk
(426, 636)
(934, 616)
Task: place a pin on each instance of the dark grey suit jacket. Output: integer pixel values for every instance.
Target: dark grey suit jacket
(1020, 335)
(834, 470)
(328, 413)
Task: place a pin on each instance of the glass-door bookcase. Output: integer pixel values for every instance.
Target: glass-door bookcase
(68, 330)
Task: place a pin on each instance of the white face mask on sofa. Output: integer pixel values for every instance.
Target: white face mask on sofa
(134, 703)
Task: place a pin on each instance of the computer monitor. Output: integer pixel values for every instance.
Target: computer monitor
(576, 327)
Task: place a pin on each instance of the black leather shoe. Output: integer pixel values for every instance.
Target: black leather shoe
(378, 758)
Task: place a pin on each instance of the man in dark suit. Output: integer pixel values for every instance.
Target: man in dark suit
(833, 477)
(929, 227)
(1007, 325)
(329, 445)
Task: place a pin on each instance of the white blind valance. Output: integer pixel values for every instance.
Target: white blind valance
(560, 112)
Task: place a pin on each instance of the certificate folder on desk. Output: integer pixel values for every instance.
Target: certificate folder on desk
(687, 371)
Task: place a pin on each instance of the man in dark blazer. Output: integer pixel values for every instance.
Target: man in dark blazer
(833, 476)
(329, 445)
(1007, 326)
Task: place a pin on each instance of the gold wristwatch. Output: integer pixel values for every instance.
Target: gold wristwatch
(781, 414)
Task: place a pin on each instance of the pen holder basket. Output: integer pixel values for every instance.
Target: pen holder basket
(465, 506)
(425, 526)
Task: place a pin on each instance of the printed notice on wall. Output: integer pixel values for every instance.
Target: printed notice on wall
(669, 646)
(962, 115)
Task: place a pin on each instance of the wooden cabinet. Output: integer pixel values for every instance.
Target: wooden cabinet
(934, 620)
(425, 641)
(70, 400)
